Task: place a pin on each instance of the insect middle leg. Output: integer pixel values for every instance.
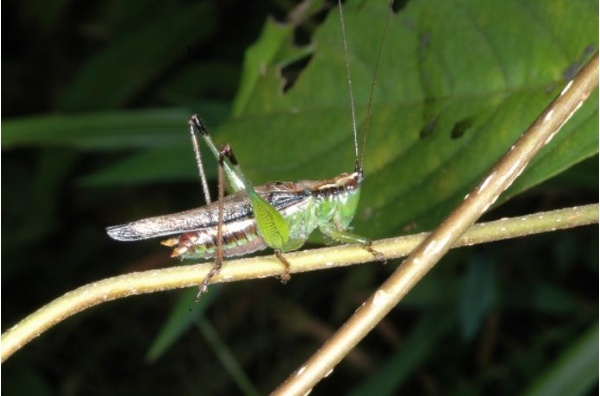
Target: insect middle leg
(348, 237)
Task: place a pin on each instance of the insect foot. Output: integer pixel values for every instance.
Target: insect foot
(378, 255)
(285, 277)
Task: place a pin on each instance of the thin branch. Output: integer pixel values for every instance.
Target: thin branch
(260, 267)
(427, 254)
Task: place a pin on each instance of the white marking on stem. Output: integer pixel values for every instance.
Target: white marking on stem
(381, 297)
(486, 181)
(565, 89)
(435, 246)
(513, 170)
(549, 138)
(490, 203)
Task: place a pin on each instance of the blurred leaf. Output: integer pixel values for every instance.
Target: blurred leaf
(191, 81)
(108, 130)
(47, 14)
(477, 296)
(164, 130)
(274, 48)
(183, 316)
(115, 75)
(539, 296)
(575, 371)
(169, 163)
(29, 380)
(34, 215)
(422, 340)
(583, 175)
(226, 358)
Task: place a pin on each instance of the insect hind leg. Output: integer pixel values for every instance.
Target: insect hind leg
(219, 257)
(271, 226)
(270, 218)
(285, 277)
(232, 172)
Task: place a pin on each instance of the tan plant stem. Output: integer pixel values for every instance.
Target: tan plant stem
(435, 246)
(260, 267)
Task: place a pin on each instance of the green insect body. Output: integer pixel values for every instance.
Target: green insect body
(277, 215)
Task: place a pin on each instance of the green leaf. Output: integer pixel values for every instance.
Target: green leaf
(108, 130)
(458, 84)
(182, 317)
(575, 371)
(424, 338)
(477, 296)
(170, 163)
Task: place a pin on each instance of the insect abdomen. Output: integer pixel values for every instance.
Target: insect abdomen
(239, 238)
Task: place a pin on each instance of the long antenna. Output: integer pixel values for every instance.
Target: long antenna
(375, 73)
(357, 166)
(360, 157)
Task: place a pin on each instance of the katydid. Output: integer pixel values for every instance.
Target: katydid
(276, 215)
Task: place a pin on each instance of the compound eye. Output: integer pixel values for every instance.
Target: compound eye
(352, 184)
